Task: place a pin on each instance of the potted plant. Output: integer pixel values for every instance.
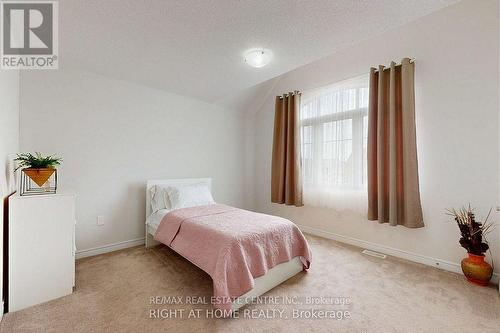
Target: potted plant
(37, 167)
(475, 269)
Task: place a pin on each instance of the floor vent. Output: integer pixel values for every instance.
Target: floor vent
(374, 254)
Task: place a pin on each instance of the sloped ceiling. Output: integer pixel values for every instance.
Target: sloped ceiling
(194, 47)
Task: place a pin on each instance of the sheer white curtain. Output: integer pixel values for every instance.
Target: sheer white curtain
(333, 123)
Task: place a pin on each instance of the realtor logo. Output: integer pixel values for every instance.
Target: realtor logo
(29, 35)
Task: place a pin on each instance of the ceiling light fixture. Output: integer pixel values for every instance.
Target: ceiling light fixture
(258, 57)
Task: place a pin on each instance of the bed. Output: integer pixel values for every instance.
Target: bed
(272, 276)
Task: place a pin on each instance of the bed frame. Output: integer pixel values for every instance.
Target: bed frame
(274, 277)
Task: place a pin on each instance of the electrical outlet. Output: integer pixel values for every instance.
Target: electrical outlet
(100, 220)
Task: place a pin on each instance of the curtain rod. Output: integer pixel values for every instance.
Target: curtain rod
(296, 92)
(412, 61)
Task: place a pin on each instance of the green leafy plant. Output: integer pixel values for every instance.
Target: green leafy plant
(472, 232)
(36, 161)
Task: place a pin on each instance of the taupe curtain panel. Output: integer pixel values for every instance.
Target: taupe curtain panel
(286, 186)
(393, 190)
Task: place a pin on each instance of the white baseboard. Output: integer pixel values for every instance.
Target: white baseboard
(1, 311)
(429, 261)
(109, 248)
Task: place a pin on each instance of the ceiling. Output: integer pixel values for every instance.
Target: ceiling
(194, 48)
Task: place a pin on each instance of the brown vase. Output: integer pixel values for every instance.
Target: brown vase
(476, 270)
(39, 176)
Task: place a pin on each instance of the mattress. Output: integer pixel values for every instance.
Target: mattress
(273, 275)
(232, 245)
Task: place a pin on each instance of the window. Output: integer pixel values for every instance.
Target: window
(334, 125)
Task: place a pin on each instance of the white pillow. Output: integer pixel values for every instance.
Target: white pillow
(159, 198)
(189, 196)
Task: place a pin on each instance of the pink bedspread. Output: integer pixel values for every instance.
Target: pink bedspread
(232, 245)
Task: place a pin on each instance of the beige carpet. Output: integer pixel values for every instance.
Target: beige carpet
(113, 294)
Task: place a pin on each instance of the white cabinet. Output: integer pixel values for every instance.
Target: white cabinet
(41, 250)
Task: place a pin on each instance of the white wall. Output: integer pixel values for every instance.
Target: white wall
(9, 143)
(114, 135)
(457, 111)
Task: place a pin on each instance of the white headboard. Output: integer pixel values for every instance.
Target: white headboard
(167, 182)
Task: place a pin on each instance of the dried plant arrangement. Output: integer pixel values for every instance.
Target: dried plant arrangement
(472, 232)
